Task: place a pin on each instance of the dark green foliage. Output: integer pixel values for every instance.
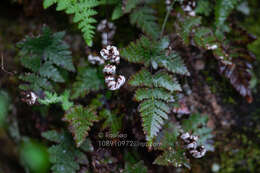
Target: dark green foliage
(144, 19)
(204, 7)
(44, 55)
(147, 52)
(88, 79)
(65, 158)
(112, 121)
(172, 158)
(173, 154)
(222, 10)
(83, 11)
(80, 120)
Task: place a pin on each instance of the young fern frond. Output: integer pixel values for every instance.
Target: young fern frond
(83, 11)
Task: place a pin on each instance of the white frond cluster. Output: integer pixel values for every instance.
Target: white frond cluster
(192, 145)
(29, 97)
(107, 30)
(189, 8)
(95, 59)
(112, 80)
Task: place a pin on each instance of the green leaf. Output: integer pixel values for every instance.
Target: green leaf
(65, 158)
(87, 80)
(138, 167)
(49, 71)
(160, 79)
(83, 14)
(44, 55)
(173, 63)
(117, 12)
(172, 158)
(112, 121)
(222, 10)
(145, 20)
(80, 120)
(153, 113)
(51, 98)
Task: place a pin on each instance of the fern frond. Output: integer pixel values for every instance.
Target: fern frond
(83, 11)
(35, 82)
(222, 10)
(88, 79)
(152, 53)
(160, 79)
(137, 52)
(159, 87)
(80, 120)
(144, 19)
(153, 110)
(172, 158)
(64, 157)
(44, 55)
(172, 63)
(52, 98)
(138, 167)
(112, 121)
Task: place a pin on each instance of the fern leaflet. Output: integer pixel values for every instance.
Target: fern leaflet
(83, 11)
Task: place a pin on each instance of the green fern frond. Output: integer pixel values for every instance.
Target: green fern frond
(222, 10)
(144, 18)
(138, 52)
(35, 82)
(172, 158)
(152, 53)
(64, 157)
(160, 79)
(173, 63)
(80, 120)
(159, 87)
(112, 121)
(153, 110)
(88, 79)
(138, 167)
(52, 98)
(203, 38)
(83, 11)
(44, 55)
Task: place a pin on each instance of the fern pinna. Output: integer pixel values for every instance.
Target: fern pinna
(155, 91)
(83, 11)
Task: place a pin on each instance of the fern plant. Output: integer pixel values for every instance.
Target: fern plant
(157, 90)
(80, 120)
(45, 56)
(174, 154)
(83, 11)
(66, 158)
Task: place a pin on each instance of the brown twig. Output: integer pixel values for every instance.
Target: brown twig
(3, 68)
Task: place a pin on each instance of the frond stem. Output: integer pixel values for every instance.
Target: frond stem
(166, 17)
